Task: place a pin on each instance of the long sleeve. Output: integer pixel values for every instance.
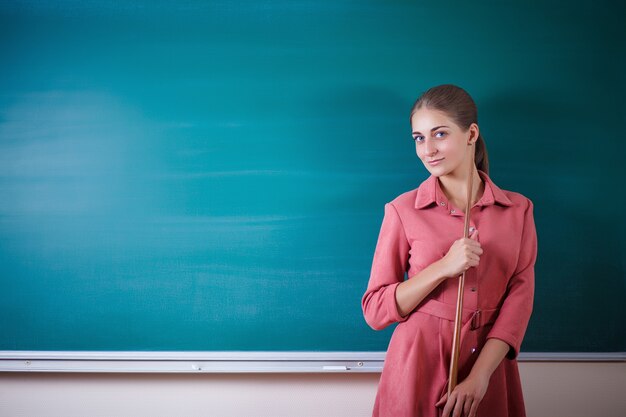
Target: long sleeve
(388, 268)
(512, 321)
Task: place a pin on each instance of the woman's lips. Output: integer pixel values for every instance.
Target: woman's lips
(435, 162)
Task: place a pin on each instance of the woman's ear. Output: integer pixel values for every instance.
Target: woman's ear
(474, 132)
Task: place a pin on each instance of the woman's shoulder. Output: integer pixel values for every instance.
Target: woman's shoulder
(507, 197)
(404, 200)
(519, 203)
(518, 199)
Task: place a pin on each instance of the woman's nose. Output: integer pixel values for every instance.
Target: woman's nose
(429, 148)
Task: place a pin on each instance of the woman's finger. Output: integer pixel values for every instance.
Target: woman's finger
(449, 406)
(473, 409)
(467, 406)
(458, 407)
(442, 400)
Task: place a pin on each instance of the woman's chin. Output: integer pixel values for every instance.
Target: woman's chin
(435, 170)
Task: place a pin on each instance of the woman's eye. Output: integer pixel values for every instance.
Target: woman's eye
(421, 138)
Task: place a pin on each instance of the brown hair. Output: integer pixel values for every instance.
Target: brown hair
(460, 107)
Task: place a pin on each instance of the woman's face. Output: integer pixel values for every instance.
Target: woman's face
(440, 144)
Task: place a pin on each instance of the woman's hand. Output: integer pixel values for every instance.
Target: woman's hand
(462, 255)
(465, 397)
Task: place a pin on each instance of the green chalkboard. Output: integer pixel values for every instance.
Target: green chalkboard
(211, 175)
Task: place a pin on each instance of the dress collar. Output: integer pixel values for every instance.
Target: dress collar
(430, 192)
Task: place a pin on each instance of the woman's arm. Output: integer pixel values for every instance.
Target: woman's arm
(489, 358)
(412, 291)
(512, 321)
(389, 298)
(463, 254)
(506, 335)
(391, 260)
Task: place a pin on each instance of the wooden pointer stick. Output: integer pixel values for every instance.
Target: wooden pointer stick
(456, 340)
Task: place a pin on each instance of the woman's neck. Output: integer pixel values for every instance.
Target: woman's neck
(455, 189)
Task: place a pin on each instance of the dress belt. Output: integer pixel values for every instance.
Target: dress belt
(446, 311)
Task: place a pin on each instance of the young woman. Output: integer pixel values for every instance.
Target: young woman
(422, 235)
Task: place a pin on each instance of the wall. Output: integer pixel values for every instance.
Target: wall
(571, 389)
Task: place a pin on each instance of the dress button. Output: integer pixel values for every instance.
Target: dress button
(452, 211)
(442, 203)
(471, 229)
(473, 289)
(473, 350)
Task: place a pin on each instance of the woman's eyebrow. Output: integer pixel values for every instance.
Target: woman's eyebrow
(432, 130)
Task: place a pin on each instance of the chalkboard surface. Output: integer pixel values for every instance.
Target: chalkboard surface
(211, 175)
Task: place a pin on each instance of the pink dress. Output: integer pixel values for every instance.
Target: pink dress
(418, 228)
